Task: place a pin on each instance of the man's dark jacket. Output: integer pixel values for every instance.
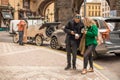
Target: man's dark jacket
(72, 26)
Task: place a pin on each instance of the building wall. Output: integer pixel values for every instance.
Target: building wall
(14, 4)
(4, 2)
(92, 9)
(35, 4)
(105, 9)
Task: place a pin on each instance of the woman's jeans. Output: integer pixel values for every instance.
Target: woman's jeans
(88, 56)
(21, 33)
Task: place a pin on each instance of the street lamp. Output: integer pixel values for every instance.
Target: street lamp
(18, 5)
(9, 6)
(48, 14)
(51, 14)
(85, 8)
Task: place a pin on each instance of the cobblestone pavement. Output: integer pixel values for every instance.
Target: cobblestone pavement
(38, 63)
(9, 48)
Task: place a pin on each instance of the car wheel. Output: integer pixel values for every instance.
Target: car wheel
(95, 55)
(117, 54)
(54, 43)
(38, 40)
(15, 38)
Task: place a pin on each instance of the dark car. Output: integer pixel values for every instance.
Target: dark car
(113, 44)
(58, 38)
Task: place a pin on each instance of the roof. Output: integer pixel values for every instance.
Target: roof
(113, 19)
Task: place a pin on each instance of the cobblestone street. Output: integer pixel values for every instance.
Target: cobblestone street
(59, 39)
(38, 63)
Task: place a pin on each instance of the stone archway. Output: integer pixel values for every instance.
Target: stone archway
(43, 6)
(64, 9)
(78, 4)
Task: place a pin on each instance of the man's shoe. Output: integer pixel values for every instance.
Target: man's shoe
(74, 67)
(67, 68)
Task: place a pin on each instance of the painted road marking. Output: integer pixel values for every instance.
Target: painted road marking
(79, 57)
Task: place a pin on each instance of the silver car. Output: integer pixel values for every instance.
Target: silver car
(58, 38)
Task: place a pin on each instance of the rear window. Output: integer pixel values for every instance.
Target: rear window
(102, 24)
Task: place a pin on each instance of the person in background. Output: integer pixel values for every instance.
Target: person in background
(73, 30)
(91, 33)
(22, 31)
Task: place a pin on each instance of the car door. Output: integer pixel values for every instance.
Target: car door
(115, 34)
(115, 37)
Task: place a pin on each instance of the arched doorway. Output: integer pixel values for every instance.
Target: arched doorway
(49, 13)
(45, 9)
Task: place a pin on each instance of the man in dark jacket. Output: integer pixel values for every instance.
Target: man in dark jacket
(73, 30)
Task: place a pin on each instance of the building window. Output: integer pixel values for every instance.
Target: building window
(99, 7)
(96, 13)
(92, 7)
(92, 13)
(4, 2)
(96, 7)
(89, 7)
(89, 13)
(26, 4)
(99, 13)
(103, 9)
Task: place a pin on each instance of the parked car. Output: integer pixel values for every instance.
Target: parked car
(38, 32)
(13, 26)
(32, 21)
(113, 44)
(58, 37)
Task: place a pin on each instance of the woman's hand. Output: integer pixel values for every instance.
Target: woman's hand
(72, 32)
(84, 32)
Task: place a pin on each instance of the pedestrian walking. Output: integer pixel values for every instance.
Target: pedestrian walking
(91, 33)
(22, 31)
(73, 30)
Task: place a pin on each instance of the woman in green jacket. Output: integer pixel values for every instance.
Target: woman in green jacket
(91, 33)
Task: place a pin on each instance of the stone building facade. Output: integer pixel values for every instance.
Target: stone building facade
(5, 12)
(105, 8)
(21, 8)
(64, 9)
(93, 9)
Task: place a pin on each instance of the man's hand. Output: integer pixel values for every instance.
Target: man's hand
(77, 36)
(72, 32)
